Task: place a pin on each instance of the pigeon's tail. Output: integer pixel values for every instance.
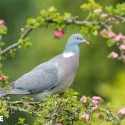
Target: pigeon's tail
(4, 92)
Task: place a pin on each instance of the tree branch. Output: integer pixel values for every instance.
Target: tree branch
(121, 18)
(14, 45)
(72, 20)
(20, 102)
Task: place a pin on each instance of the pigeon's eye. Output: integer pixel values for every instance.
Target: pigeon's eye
(77, 38)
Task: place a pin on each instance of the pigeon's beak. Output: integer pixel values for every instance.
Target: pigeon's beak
(85, 42)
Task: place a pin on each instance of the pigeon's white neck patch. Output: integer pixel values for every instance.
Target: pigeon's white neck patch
(68, 54)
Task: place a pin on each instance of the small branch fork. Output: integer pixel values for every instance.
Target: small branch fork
(14, 45)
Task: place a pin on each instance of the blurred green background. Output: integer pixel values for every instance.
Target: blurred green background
(97, 75)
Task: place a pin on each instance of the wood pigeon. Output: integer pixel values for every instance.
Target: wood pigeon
(53, 76)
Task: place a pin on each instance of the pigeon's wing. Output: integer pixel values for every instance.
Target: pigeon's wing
(43, 77)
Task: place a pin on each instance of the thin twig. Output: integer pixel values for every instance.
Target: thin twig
(20, 102)
(14, 45)
(54, 115)
(120, 18)
(88, 17)
(90, 117)
(106, 26)
(109, 113)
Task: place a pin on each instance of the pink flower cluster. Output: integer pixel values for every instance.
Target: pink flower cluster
(122, 47)
(103, 15)
(102, 32)
(113, 55)
(96, 100)
(117, 37)
(83, 99)
(85, 116)
(121, 111)
(59, 33)
(59, 124)
(111, 35)
(2, 78)
(100, 12)
(120, 38)
(2, 22)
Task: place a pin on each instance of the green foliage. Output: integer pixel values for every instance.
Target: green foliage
(120, 9)
(24, 42)
(3, 30)
(32, 22)
(91, 5)
(4, 109)
(65, 109)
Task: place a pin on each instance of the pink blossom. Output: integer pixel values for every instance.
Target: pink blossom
(111, 35)
(111, 19)
(113, 55)
(103, 15)
(102, 32)
(85, 116)
(59, 33)
(123, 57)
(83, 99)
(95, 102)
(98, 11)
(95, 107)
(118, 37)
(121, 111)
(97, 98)
(2, 22)
(2, 78)
(59, 124)
(122, 47)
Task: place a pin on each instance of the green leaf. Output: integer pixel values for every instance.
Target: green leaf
(52, 9)
(109, 9)
(110, 42)
(67, 16)
(3, 29)
(95, 33)
(33, 22)
(44, 13)
(21, 121)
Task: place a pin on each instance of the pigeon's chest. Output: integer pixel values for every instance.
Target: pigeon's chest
(66, 71)
(69, 64)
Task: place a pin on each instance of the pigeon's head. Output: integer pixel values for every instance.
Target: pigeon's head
(73, 43)
(77, 39)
